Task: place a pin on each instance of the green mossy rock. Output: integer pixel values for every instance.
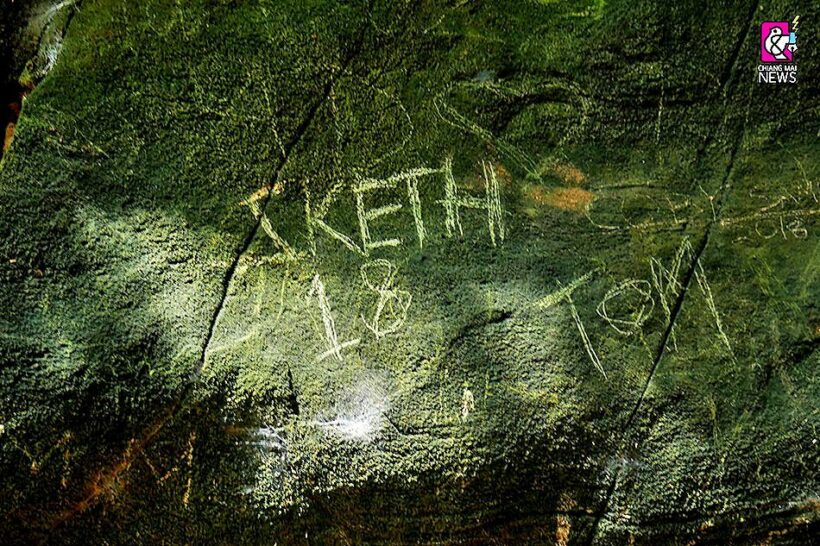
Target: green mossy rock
(412, 272)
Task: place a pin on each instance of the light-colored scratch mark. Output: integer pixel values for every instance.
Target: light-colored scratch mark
(467, 402)
(452, 220)
(189, 461)
(155, 472)
(796, 228)
(564, 291)
(366, 216)
(669, 288)
(802, 213)
(315, 219)
(262, 192)
(486, 388)
(271, 114)
(259, 291)
(666, 283)
(151, 466)
(407, 134)
(57, 7)
(593, 356)
(232, 343)
(491, 203)
(277, 239)
(602, 227)
(495, 214)
(696, 211)
(700, 276)
(379, 276)
(673, 208)
(629, 327)
(282, 296)
(443, 376)
(711, 199)
(37, 464)
(660, 114)
(337, 349)
(410, 177)
(412, 174)
(415, 203)
(332, 339)
(337, 128)
(809, 183)
(453, 117)
(786, 220)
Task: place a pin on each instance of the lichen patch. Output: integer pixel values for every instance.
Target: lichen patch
(572, 199)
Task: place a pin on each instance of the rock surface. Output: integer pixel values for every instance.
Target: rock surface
(378, 272)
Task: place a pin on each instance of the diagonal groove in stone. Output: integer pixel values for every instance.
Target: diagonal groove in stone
(104, 477)
(690, 272)
(246, 243)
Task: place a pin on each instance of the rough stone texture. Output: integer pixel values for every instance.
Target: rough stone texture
(621, 350)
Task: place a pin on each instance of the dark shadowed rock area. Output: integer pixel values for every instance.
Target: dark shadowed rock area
(388, 272)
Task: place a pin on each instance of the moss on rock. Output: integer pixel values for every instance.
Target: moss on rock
(376, 272)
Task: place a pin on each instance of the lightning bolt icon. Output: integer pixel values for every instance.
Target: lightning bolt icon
(795, 22)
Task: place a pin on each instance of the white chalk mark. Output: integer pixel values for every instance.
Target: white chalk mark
(660, 115)
(564, 293)
(801, 213)
(711, 199)
(456, 119)
(410, 177)
(506, 92)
